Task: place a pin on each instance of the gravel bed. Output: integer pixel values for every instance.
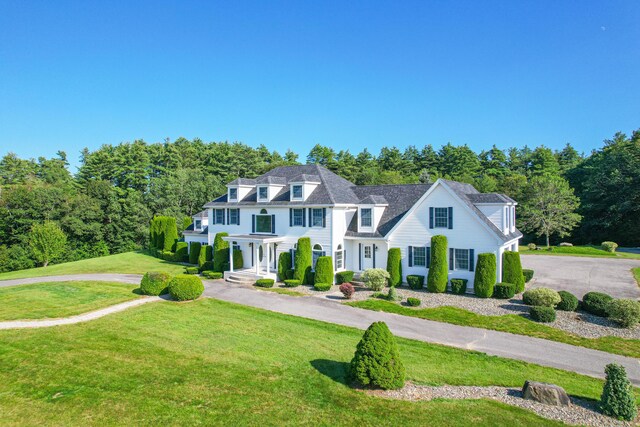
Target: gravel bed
(580, 412)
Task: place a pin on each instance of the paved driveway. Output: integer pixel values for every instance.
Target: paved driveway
(580, 275)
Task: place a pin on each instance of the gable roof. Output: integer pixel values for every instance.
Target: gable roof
(489, 198)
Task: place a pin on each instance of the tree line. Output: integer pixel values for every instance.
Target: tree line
(105, 207)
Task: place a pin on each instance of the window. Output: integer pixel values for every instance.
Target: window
(317, 253)
(197, 224)
(461, 261)
(365, 217)
(234, 216)
(367, 251)
(236, 246)
(298, 218)
(441, 217)
(263, 193)
(263, 222)
(233, 194)
(419, 256)
(296, 192)
(339, 258)
(316, 217)
(513, 216)
(219, 216)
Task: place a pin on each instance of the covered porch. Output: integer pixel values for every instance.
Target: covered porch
(264, 263)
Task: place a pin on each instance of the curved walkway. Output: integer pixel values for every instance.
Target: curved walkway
(543, 352)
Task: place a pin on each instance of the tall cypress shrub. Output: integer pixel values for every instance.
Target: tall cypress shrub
(182, 252)
(394, 267)
(194, 252)
(485, 276)
(284, 265)
(303, 261)
(170, 233)
(512, 270)
(438, 271)
(206, 254)
(324, 270)
(220, 252)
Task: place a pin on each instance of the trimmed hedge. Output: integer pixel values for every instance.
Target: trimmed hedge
(214, 275)
(155, 283)
(618, 399)
(485, 276)
(438, 275)
(292, 283)
(290, 274)
(414, 302)
(512, 270)
(595, 303)
(344, 277)
(206, 254)
(625, 312)
(191, 270)
(238, 259)
(284, 265)
(568, 301)
(528, 274)
(206, 266)
(323, 287)
(504, 290)
(194, 252)
(347, 290)
(220, 253)
(303, 261)
(376, 362)
(182, 252)
(184, 287)
(541, 313)
(541, 297)
(415, 281)
(459, 286)
(265, 283)
(324, 270)
(394, 266)
(163, 233)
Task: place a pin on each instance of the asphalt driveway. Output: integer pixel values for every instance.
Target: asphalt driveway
(580, 275)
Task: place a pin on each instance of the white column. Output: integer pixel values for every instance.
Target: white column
(231, 258)
(268, 260)
(255, 249)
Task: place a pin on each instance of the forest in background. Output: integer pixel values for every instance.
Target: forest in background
(105, 207)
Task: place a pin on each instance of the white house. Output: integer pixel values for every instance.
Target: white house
(356, 224)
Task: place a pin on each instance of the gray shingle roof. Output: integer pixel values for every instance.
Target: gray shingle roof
(189, 230)
(489, 198)
(304, 177)
(278, 180)
(373, 200)
(201, 214)
(243, 181)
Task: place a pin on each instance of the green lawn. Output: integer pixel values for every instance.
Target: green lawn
(60, 299)
(282, 291)
(128, 262)
(584, 251)
(215, 363)
(509, 323)
(636, 274)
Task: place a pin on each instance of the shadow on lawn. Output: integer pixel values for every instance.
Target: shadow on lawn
(333, 369)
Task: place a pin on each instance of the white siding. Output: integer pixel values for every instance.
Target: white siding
(495, 213)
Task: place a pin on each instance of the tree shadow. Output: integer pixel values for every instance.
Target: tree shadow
(333, 369)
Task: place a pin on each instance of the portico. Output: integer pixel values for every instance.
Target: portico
(263, 254)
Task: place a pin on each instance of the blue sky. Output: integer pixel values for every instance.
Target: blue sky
(293, 74)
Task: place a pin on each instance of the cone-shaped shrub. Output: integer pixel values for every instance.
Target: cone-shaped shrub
(394, 267)
(220, 252)
(155, 283)
(617, 398)
(170, 233)
(512, 270)
(324, 270)
(194, 252)
(438, 271)
(302, 261)
(182, 252)
(206, 254)
(376, 362)
(485, 276)
(284, 264)
(238, 259)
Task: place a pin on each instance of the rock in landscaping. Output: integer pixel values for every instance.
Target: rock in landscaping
(567, 244)
(549, 394)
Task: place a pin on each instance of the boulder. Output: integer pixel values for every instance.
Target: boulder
(565, 244)
(549, 394)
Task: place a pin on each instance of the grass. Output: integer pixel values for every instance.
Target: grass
(511, 323)
(636, 274)
(128, 262)
(282, 291)
(581, 251)
(214, 363)
(60, 299)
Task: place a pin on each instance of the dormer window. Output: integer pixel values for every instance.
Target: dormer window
(366, 217)
(197, 224)
(263, 194)
(233, 194)
(296, 192)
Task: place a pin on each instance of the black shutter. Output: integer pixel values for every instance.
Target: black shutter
(238, 220)
(410, 256)
(450, 218)
(273, 224)
(360, 256)
(252, 255)
(304, 216)
(253, 225)
(290, 217)
(472, 260)
(223, 212)
(430, 217)
(428, 256)
(451, 261)
(373, 254)
(292, 252)
(324, 217)
(228, 218)
(310, 217)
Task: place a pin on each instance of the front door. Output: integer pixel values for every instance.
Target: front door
(262, 256)
(367, 256)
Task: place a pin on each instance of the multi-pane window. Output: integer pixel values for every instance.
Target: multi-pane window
(296, 192)
(419, 256)
(441, 217)
(263, 193)
(461, 259)
(298, 217)
(367, 251)
(365, 217)
(219, 216)
(263, 222)
(316, 217)
(233, 194)
(197, 224)
(234, 216)
(339, 258)
(317, 253)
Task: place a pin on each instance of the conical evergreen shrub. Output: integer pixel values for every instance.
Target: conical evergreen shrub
(394, 266)
(512, 270)
(485, 276)
(617, 398)
(220, 252)
(302, 261)
(438, 275)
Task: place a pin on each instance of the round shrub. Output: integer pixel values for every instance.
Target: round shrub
(618, 400)
(541, 313)
(528, 274)
(324, 270)
(376, 362)
(265, 283)
(512, 270)
(532, 246)
(485, 276)
(344, 277)
(625, 312)
(438, 275)
(544, 297)
(415, 281)
(568, 301)
(322, 287)
(609, 246)
(292, 283)
(284, 265)
(394, 266)
(185, 287)
(596, 303)
(413, 302)
(459, 286)
(303, 261)
(155, 283)
(347, 290)
(504, 290)
(375, 278)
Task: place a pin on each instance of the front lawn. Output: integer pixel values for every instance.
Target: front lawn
(129, 262)
(636, 274)
(214, 363)
(60, 299)
(582, 251)
(511, 323)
